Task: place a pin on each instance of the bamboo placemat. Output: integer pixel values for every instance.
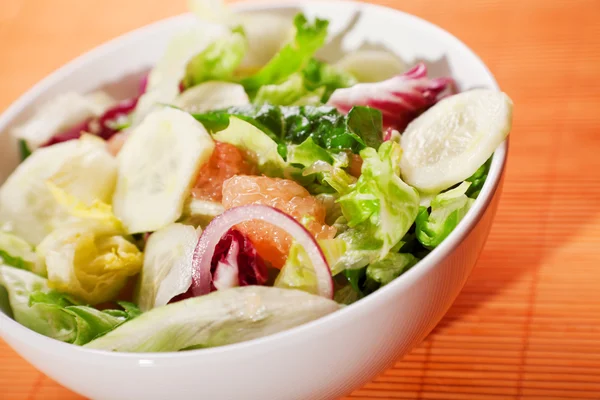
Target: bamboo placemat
(527, 324)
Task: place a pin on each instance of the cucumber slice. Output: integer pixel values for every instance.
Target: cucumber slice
(446, 144)
(157, 167)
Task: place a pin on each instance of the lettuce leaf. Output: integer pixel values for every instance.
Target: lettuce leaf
(88, 257)
(307, 153)
(298, 273)
(478, 179)
(389, 268)
(258, 146)
(380, 208)
(312, 86)
(89, 264)
(17, 253)
(218, 61)
(293, 57)
(82, 167)
(24, 150)
(54, 314)
(294, 124)
(318, 74)
(447, 210)
(289, 92)
(219, 318)
(167, 74)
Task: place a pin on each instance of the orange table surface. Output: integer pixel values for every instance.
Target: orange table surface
(527, 324)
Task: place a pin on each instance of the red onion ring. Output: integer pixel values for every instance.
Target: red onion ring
(219, 226)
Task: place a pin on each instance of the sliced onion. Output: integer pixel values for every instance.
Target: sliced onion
(201, 276)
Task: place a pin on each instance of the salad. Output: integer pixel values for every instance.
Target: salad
(249, 187)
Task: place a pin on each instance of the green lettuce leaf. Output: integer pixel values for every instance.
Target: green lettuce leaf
(293, 57)
(324, 169)
(257, 145)
(218, 61)
(312, 86)
(307, 153)
(289, 92)
(219, 318)
(447, 209)
(478, 179)
(24, 150)
(298, 272)
(318, 74)
(294, 124)
(362, 281)
(17, 253)
(54, 314)
(389, 268)
(367, 123)
(380, 208)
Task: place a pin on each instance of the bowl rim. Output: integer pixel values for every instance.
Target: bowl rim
(409, 278)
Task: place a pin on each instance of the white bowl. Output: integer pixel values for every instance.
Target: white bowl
(326, 358)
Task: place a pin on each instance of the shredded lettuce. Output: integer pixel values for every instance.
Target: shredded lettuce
(378, 210)
(50, 313)
(447, 210)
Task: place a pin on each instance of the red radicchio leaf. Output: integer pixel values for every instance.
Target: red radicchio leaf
(235, 263)
(400, 99)
(104, 126)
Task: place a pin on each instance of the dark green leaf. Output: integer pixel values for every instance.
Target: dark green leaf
(13, 261)
(24, 150)
(366, 123)
(294, 124)
(356, 279)
(213, 122)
